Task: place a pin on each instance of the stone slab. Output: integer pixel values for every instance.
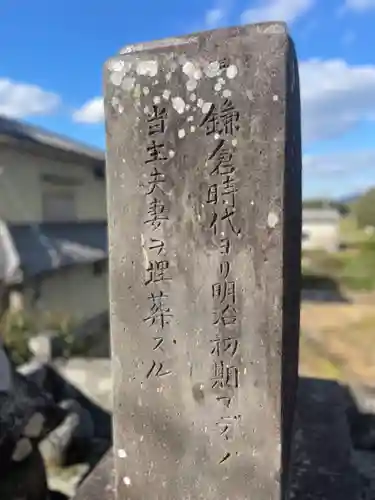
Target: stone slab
(316, 474)
(204, 197)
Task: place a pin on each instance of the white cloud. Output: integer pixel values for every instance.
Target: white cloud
(341, 163)
(91, 112)
(360, 5)
(213, 17)
(335, 97)
(277, 10)
(338, 174)
(20, 100)
(216, 16)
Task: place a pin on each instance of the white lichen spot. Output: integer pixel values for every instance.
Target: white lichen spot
(192, 128)
(200, 102)
(155, 82)
(234, 142)
(213, 69)
(206, 107)
(190, 118)
(189, 69)
(181, 133)
(127, 83)
(217, 87)
(217, 136)
(227, 93)
(145, 90)
(232, 71)
(127, 481)
(156, 99)
(174, 66)
(191, 85)
(197, 74)
(122, 453)
(141, 438)
(275, 98)
(178, 104)
(250, 95)
(146, 110)
(221, 80)
(115, 101)
(182, 59)
(116, 78)
(272, 220)
(171, 153)
(147, 68)
(116, 65)
(168, 76)
(166, 94)
(193, 97)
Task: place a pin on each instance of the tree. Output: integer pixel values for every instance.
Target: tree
(364, 209)
(321, 204)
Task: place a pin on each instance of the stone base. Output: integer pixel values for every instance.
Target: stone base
(322, 451)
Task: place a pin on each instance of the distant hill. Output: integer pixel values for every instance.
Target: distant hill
(325, 203)
(351, 198)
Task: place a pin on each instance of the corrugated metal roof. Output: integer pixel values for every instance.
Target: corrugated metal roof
(50, 246)
(31, 134)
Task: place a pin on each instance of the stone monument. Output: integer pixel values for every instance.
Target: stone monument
(204, 199)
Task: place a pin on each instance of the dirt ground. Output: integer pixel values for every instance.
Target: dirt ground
(338, 339)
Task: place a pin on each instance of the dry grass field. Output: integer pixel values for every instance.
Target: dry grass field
(338, 340)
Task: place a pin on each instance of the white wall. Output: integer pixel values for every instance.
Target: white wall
(320, 236)
(73, 292)
(21, 187)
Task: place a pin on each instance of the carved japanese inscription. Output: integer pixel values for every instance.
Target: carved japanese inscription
(199, 161)
(223, 121)
(157, 271)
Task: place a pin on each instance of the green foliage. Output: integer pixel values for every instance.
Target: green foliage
(353, 269)
(359, 271)
(364, 209)
(18, 327)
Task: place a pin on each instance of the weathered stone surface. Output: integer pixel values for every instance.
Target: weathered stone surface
(317, 473)
(99, 485)
(204, 185)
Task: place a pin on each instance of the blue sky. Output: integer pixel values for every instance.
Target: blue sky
(52, 55)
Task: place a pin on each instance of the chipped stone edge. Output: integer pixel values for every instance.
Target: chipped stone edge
(167, 42)
(273, 28)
